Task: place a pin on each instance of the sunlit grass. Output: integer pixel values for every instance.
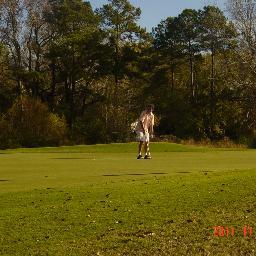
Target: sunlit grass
(100, 200)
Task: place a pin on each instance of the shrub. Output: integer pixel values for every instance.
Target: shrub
(30, 124)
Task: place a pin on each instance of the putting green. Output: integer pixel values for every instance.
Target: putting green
(27, 169)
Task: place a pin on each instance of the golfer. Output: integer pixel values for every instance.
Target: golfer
(144, 130)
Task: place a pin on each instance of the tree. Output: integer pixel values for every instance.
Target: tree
(74, 53)
(188, 32)
(126, 42)
(167, 43)
(38, 36)
(11, 26)
(217, 35)
(7, 85)
(243, 15)
(119, 19)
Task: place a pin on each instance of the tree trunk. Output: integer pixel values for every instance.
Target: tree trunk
(72, 117)
(191, 63)
(53, 85)
(73, 89)
(116, 71)
(173, 80)
(212, 95)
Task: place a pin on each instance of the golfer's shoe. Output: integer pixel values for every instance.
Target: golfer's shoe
(147, 157)
(139, 157)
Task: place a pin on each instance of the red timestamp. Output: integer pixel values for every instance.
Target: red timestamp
(222, 231)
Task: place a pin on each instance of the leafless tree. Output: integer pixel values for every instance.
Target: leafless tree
(11, 33)
(243, 14)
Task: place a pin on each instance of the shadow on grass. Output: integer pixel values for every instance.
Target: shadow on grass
(111, 175)
(134, 174)
(4, 180)
(71, 158)
(158, 173)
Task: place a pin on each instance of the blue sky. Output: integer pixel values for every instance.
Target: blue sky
(153, 11)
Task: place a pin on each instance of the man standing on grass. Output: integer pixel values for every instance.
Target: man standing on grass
(144, 130)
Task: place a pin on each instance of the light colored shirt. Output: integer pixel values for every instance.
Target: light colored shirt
(147, 120)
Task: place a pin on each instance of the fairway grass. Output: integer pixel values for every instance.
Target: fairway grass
(100, 200)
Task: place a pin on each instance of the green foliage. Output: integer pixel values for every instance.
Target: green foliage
(88, 129)
(75, 53)
(99, 68)
(119, 21)
(193, 76)
(29, 124)
(7, 86)
(217, 33)
(120, 17)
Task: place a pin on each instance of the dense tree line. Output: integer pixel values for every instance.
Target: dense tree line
(71, 73)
